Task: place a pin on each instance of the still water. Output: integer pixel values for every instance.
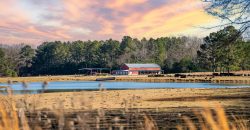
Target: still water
(36, 87)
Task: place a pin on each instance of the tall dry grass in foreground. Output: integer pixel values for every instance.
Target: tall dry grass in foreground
(215, 119)
(9, 118)
(13, 118)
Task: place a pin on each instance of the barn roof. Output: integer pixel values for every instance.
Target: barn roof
(142, 65)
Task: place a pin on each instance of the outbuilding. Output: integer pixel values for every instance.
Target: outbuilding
(138, 69)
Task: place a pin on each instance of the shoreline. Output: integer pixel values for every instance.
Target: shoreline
(141, 78)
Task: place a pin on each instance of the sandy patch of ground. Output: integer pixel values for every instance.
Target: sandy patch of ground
(146, 98)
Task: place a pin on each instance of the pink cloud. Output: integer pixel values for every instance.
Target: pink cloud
(107, 27)
(96, 19)
(121, 4)
(77, 9)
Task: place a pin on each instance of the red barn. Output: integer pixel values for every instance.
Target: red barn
(138, 69)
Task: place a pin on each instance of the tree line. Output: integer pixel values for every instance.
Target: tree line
(224, 50)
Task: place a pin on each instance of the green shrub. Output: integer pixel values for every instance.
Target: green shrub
(10, 73)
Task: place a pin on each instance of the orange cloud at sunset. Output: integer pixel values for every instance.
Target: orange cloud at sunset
(168, 19)
(180, 23)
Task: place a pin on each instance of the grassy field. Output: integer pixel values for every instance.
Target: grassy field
(145, 109)
(149, 109)
(147, 98)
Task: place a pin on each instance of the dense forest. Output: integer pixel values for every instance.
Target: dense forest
(224, 50)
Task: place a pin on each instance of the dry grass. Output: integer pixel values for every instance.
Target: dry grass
(10, 120)
(214, 119)
(148, 98)
(46, 78)
(13, 118)
(149, 123)
(206, 121)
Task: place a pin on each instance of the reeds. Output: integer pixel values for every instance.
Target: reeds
(10, 119)
(149, 123)
(214, 119)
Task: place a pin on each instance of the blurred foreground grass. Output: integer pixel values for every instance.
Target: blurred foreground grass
(23, 114)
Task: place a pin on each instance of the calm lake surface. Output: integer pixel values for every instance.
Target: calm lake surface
(36, 87)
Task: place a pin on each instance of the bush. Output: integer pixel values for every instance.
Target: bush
(10, 73)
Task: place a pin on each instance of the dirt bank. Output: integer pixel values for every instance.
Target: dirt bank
(143, 78)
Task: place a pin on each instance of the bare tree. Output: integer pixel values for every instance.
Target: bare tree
(232, 12)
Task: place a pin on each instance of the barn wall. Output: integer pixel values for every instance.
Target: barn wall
(135, 71)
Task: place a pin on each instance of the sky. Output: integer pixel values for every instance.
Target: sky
(36, 21)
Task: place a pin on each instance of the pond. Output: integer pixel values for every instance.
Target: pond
(66, 86)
